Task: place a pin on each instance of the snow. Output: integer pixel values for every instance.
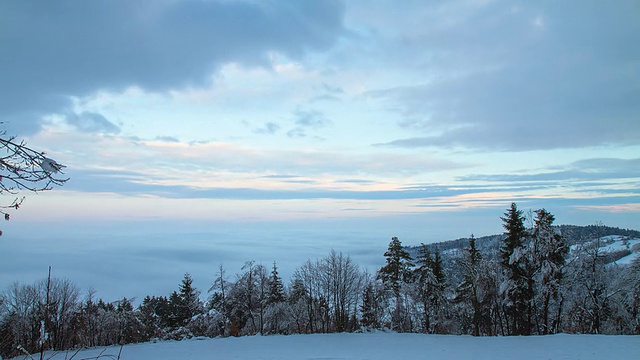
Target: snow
(378, 345)
(616, 243)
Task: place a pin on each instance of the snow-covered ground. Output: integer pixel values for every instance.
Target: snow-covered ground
(378, 345)
(614, 244)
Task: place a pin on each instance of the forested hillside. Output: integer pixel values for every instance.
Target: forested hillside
(537, 279)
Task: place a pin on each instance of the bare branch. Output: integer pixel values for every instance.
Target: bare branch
(23, 168)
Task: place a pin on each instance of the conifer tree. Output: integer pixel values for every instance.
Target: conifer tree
(426, 282)
(275, 309)
(394, 274)
(185, 303)
(468, 290)
(398, 267)
(550, 253)
(513, 260)
(276, 287)
(369, 307)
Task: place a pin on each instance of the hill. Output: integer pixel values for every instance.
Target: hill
(573, 235)
(616, 246)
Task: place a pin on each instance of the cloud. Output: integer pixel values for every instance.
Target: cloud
(306, 120)
(268, 128)
(537, 77)
(138, 183)
(583, 170)
(91, 122)
(311, 118)
(167, 139)
(53, 51)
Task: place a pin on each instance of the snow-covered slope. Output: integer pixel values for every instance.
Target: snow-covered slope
(628, 249)
(374, 346)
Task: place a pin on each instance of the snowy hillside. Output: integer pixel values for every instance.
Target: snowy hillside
(619, 249)
(376, 346)
(619, 246)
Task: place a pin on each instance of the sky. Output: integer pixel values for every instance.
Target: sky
(202, 132)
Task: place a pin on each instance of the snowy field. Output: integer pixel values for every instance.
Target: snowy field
(376, 346)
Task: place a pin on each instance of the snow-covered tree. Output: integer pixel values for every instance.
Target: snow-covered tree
(429, 287)
(514, 260)
(468, 291)
(373, 305)
(276, 287)
(594, 287)
(23, 168)
(275, 308)
(549, 252)
(343, 281)
(398, 267)
(395, 274)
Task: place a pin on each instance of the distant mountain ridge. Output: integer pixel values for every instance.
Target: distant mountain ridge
(573, 234)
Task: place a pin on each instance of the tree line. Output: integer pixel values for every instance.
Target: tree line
(532, 286)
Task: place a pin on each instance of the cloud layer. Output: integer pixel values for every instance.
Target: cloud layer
(56, 50)
(514, 77)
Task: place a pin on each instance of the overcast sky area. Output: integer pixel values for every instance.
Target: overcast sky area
(198, 133)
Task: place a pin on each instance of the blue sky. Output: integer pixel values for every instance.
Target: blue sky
(420, 119)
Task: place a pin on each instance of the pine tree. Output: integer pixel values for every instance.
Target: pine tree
(398, 267)
(468, 290)
(185, 303)
(276, 287)
(425, 282)
(370, 304)
(513, 259)
(550, 253)
(275, 309)
(394, 274)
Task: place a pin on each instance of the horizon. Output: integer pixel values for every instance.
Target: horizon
(145, 262)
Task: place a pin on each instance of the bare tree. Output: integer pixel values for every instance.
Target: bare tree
(23, 168)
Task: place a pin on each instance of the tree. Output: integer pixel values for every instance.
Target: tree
(513, 260)
(343, 282)
(275, 302)
(276, 287)
(549, 252)
(394, 274)
(23, 168)
(218, 300)
(184, 303)
(398, 267)
(154, 315)
(370, 307)
(593, 286)
(429, 282)
(475, 290)
(39, 316)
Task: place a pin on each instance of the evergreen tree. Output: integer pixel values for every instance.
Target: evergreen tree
(154, 315)
(468, 291)
(438, 269)
(425, 282)
(398, 267)
(369, 307)
(276, 287)
(514, 261)
(275, 308)
(394, 274)
(184, 304)
(175, 313)
(549, 258)
(190, 298)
